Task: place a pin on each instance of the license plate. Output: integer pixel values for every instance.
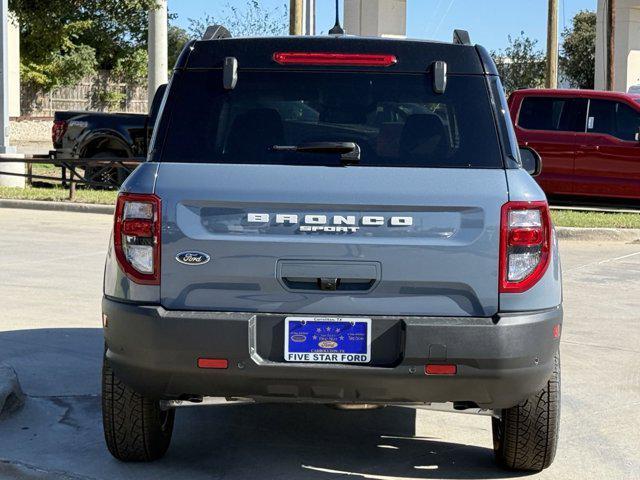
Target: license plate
(327, 339)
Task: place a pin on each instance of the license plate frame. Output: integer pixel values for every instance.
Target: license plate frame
(345, 332)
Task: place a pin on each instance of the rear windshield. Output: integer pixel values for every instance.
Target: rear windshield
(396, 120)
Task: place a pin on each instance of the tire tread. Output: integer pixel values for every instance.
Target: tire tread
(526, 436)
(131, 422)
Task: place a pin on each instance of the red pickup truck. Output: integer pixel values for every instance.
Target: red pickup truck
(588, 140)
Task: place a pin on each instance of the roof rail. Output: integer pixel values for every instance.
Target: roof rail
(216, 32)
(461, 37)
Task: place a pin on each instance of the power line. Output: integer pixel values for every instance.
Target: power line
(431, 19)
(443, 17)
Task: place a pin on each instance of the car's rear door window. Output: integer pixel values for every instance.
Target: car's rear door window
(613, 118)
(553, 114)
(396, 119)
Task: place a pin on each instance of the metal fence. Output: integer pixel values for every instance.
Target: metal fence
(104, 173)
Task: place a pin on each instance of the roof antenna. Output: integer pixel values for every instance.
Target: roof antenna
(337, 29)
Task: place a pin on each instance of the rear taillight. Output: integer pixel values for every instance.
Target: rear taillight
(137, 237)
(332, 58)
(58, 130)
(525, 245)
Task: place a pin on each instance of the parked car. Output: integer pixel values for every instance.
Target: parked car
(588, 140)
(79, 135)
(334, 220)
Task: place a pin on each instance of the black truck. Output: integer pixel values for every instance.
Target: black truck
(86, 135)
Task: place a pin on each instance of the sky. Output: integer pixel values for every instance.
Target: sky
(489, 22)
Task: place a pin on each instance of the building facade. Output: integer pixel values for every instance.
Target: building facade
(376, 18)
(627, 45)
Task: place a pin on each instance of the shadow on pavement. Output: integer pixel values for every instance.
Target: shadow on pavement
(59, 429)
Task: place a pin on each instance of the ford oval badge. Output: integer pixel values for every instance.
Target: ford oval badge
(192, 258)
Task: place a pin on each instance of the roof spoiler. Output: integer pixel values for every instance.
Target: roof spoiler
(461, 37)
(216, 32)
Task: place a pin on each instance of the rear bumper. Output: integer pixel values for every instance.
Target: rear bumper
(500, 361)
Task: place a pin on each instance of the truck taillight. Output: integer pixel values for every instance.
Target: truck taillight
(525, 245)
(137, 237)
(58, 130)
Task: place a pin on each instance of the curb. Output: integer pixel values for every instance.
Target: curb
(11, 396)
(57, 206)
(628, 235)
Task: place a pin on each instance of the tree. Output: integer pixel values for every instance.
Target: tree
(521, 64)
(250, 21)
(132, 69)
(578, 60)
(61, 41)
(176, 39)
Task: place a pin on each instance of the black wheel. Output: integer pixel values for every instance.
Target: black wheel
(525, 437)
(135, 428)
(114, 176)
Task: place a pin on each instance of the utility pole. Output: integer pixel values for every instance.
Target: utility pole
(611, 33)
(158, 64)
(551, 80)
(309, 17)
(295, 17)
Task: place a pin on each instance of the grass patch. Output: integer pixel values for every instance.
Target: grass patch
(57, 194)
(570, 218)
(47, 170)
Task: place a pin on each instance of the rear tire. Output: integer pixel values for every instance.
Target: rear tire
(114, 176)
(135, 428)
(525, 437)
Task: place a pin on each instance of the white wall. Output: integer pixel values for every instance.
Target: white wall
(13, 49)
(627, 45)
(376, 18)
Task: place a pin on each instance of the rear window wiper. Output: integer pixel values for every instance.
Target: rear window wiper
(349, 151)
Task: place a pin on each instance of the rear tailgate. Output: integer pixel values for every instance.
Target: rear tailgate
(424, 242)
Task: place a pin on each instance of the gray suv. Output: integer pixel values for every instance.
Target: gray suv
(334, 220)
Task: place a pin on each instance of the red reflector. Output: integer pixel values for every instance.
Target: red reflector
(525, 237)
(220, 363)
(356, 59)
(556, 331)
(137, 228)
(440, 369)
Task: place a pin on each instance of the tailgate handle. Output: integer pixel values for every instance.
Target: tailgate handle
(328, 276)
(330, 284)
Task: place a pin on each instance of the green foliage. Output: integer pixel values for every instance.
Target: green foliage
(133, 69)
(110, 100)
(64, 40)
(521, 65)
(176, 39)
(578, 60)
(252, 20)
(62, 69)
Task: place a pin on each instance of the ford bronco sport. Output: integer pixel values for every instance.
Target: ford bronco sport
(335, 220)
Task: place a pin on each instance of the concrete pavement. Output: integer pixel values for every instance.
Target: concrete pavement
(50, 283)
